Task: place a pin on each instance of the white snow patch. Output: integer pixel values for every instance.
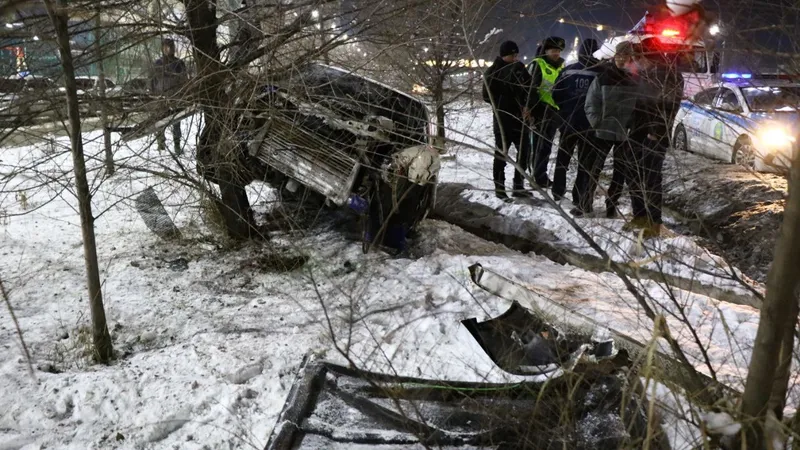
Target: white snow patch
(721, 423)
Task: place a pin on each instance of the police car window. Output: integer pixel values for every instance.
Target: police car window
(728, 100)
(706, 97)
(692, 61)
(772, 98)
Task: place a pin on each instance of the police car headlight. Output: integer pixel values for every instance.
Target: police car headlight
(775, 137)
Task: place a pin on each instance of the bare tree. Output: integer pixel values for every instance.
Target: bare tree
(102, 339)
(429, 46)
(768, 376)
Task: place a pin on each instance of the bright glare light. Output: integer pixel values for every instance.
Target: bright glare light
(775, 136)
(714, 30)
(425, 49)
(315, 14)
(670, 33)
(36, 38)
(599, 28)
(561, 20)
(8, 25)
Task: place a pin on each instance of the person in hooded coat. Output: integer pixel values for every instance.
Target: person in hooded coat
(505, 87)
(660, 92)
(543, 108)
(570, 95)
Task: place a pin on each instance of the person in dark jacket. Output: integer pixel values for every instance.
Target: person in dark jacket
(543, 108)
(660, 93)
(570, 95)
(168, 75)
(610, 106)
(506, 88)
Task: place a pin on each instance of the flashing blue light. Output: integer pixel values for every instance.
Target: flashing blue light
(734, 76)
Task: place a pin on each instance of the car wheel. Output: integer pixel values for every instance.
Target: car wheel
(744, 154)
(680, 141)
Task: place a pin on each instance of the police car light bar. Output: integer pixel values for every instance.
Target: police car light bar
(670, 32)
(735, 76)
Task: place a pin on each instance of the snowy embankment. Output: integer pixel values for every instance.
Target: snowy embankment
(210, 337)
(467, 196)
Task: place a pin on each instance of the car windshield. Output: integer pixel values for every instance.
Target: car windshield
(84, 84)
(772, 98)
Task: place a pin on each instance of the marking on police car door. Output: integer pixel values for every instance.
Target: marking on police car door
(718, 131)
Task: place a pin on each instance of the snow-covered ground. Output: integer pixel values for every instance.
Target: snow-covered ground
(210, 337)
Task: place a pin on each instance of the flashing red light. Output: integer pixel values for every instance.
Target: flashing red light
(669, 32)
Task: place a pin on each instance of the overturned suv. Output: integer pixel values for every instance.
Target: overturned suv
(350, 139)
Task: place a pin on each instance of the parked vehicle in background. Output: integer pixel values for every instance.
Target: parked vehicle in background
(747, 119)
(699, 65)
(91, 86)
(24, 98)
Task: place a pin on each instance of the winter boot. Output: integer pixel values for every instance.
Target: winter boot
(519, 190)
(577, 212)
(637, 223)
(652, 231)
(500, 186)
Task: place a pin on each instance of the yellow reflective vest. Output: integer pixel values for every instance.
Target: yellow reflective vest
(549, 77)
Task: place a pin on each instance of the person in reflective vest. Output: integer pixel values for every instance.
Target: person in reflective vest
(543, 110)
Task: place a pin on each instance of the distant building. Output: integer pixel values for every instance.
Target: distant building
(27, 44)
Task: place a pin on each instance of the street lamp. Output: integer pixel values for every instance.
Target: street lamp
(599, 28)
(714, 30)
(561, 20)
(425, 49)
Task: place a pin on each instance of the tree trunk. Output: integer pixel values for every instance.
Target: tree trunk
(101, 338)
(783, 374)
(778, 318)
(101, 79)
(438, 101)
(217, 161)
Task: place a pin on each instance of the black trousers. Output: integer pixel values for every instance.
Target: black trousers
(590, 167)
(640, 165)
(161, 138)
(622, 159)
(507, 132)
(546, 126)
(570, 140)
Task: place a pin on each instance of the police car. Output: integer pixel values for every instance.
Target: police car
(747, 120)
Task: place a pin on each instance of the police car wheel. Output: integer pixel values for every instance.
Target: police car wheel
(679, 141)
(744, 154)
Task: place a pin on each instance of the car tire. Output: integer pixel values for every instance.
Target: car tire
(680, 141)
(744, 154)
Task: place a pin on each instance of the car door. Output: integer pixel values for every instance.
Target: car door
(696, 120)
(727, 111)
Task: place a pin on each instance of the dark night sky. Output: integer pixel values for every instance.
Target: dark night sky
(542, 22)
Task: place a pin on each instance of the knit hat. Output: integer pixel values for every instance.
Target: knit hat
(625, 48)
(588, 47)
(509, 48)
(553, 42)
